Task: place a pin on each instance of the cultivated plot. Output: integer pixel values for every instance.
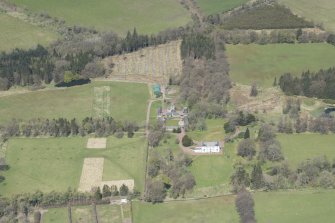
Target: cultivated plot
(96, 143)
(91, 174)
(102, 102)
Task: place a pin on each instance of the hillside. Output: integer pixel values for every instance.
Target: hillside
(148, 16)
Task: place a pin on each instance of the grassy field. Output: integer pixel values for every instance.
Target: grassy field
(299, 147)
(106, 214)
(307, 206)
(298, 206)
(217, 6)
(18, 34)
(321, 11)
(128, 101)
(148, 16)
(262, 63)
(210, 171)
(211, 210)
(56, 163)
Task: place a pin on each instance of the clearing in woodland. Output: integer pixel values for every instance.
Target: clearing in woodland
(262, 63)
(151, 64)
(18, 34)
(128, 102)
(48, 164)
(321, 11)
(148, 16)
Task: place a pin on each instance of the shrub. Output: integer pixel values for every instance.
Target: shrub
(187, 141)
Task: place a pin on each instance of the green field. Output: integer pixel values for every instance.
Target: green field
(148, 16)
(321, 11)
(214, 170)
(307, 206)
(262, 63)
(214, 131)
(217, 6)
(48, 164)
(128, 102)
(18, 34)
(296, 206)
(299, 147)
(211, 210)
(106, 214)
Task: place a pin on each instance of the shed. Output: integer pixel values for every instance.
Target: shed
(156, 88)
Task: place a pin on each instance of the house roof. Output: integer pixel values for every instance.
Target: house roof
(210, 143)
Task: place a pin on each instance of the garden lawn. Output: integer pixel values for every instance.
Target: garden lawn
(128, 102)
(262, 63)
(299, 147)
(214, 131)
(48, 164)
(218, 6)
(148, 16)
(321, 11)
(15, 33)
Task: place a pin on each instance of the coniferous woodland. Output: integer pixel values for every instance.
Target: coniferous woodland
(77, 54)
(63, 127)
(319, 84)
(261, 14)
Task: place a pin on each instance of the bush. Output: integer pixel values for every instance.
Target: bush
(73, 83)
(246, 148)
(2, 178)
(187, 141)
(124, 190)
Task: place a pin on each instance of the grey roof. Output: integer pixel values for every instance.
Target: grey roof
(210, 143)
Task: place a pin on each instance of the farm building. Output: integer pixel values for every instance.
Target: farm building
(208, 147)
(156, 88)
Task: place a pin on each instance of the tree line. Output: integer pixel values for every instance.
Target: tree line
(320, 84)
(274, 36)
(29, 203)
(63, 127)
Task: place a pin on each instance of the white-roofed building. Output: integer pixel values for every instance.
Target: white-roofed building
(208, 147)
